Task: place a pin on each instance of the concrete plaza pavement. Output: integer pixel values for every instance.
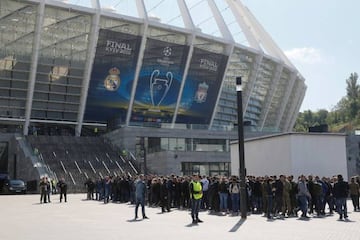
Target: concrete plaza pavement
(24, 218)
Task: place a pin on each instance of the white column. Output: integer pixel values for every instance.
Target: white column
(294, 104)
(266, 41)
(271, 92)
(91, 50)
(249, 87)
(189, 24)
(186, 16)
(225, 32)
(230, 52)
(34, 63)
(191, 40)
(285, 100)
(142, 13)
(296, 110)
(238, 11)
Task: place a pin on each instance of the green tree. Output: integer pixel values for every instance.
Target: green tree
(344, 116)
(352, 87)
(352, 90)
(322, 116)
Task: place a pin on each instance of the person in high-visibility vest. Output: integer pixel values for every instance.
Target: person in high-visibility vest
(196, 194)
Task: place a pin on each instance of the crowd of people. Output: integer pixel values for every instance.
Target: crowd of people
(274, 196)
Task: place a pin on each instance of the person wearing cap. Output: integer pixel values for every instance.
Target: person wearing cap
(196, 194)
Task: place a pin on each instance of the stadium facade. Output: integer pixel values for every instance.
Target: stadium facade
(150, 71)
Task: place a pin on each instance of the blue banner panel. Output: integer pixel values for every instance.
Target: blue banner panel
(159, 81)
(201, 87)
(112, 76)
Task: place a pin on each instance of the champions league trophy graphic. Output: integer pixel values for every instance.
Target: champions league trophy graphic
(201, 93)
(112, 81)
(159, 87)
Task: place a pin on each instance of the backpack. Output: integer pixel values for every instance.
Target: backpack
(235, 188)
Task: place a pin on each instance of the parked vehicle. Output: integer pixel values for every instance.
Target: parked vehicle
(13, 186)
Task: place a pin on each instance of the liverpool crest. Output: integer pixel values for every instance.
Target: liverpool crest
(201, 93)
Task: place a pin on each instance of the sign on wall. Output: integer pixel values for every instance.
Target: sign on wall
(159, 81)
(201, 87)
(112, 76)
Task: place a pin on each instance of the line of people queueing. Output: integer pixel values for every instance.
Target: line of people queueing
(275, 197)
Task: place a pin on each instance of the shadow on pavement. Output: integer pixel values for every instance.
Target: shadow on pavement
(237, 225)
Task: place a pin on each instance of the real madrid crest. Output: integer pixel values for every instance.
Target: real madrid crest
(112, 81)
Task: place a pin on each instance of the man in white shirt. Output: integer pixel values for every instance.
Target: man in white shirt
(205, 199)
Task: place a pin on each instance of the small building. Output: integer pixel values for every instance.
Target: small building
(318, 154)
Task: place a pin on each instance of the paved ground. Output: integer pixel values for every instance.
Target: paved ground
(23, 218)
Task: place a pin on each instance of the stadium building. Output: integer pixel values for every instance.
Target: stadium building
(156, 79)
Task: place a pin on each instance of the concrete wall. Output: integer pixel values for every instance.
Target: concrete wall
(25, 169)
(261, 156)
(293, 153)
(353, 154)
(165, 162)
(319, 154)
(126, 137)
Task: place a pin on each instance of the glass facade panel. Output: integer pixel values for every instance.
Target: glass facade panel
(290, 103)
(210, 46)
(120, 26)
(17, 24)
(188, 144)
(209, 145)
(276, 101)
(167, 36)
(204, 168)
(65, 34)
(62, 56)
(172, 17)
(240, 65)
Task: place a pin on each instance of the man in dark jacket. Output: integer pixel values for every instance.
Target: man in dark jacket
(90, 187)
(62, 189)
(341, 192)
(164, 203)
(140, 191)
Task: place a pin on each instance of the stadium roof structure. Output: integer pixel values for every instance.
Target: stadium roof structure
(83, 62)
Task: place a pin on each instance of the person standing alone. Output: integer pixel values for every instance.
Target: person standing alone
(140, 189)
(62, 189)
(195, 195)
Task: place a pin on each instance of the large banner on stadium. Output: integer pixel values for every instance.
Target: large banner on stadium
(112, 76)
(201, 87)
(159, 81)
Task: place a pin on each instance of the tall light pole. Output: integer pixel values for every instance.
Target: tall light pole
(242, 173)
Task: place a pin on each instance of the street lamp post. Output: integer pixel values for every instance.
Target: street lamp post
(143, 151)
(242, 173)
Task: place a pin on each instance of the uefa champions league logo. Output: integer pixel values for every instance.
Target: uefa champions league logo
(167, 51)
(159, 88)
